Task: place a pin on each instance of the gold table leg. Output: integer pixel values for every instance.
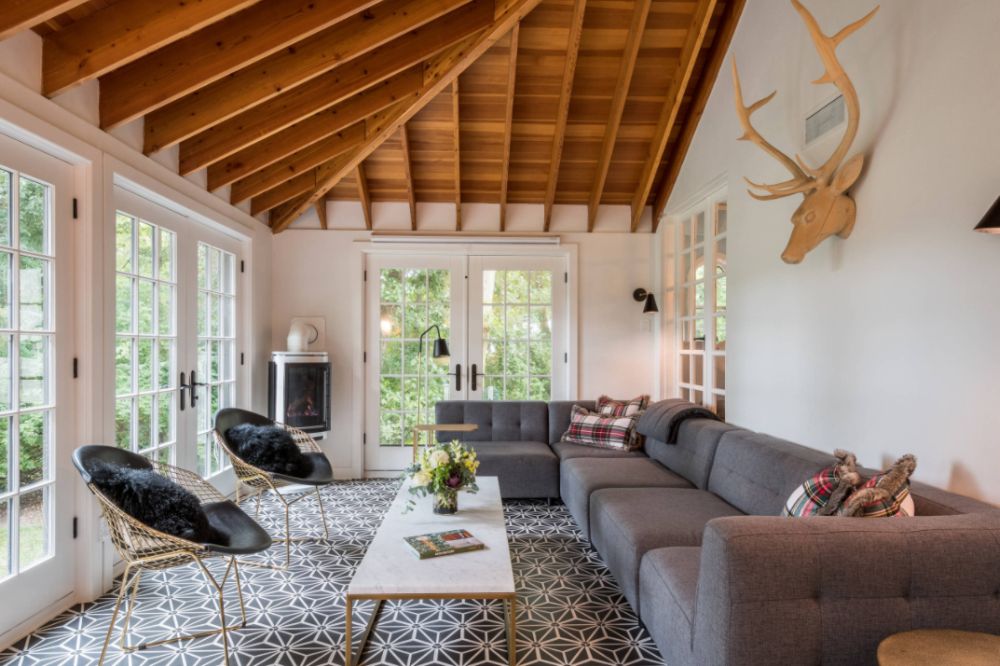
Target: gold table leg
(510, 605)
(364, 635)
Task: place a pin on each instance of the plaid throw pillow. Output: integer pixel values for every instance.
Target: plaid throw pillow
(606, 432)
(897, 505)
(811, 496)
(610, 407)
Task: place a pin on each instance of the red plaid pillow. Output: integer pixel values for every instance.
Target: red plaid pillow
(811, 496)
(898, 505)
(610, 407)
(606, 432)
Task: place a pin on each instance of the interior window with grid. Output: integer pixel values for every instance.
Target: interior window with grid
(146, 340)
(517, 335)
(27, 334)
(216, 350)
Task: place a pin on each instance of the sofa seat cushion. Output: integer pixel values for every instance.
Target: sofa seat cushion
(668, 587)
(569, 450)
(579, 477)
(526, 469)
(626, 523)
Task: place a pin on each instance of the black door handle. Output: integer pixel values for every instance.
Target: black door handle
(473, 374)
(458, 376)
(194, 391)
(184, 386)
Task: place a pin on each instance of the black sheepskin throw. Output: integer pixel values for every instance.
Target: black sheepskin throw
(270, 448)
(154, 500)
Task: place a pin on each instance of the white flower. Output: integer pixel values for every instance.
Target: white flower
(421, 479)
(439, 458)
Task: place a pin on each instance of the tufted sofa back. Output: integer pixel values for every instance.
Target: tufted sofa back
(498, 421)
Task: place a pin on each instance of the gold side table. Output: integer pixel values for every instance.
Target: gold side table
(939, 647)
(439, 427)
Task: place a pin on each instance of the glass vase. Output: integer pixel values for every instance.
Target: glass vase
(446, 501)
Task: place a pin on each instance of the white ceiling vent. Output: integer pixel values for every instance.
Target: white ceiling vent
(827, 118)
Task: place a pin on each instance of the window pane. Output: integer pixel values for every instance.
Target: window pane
(6, 259)
(720, 219)
(145, 307)
(145, 364)
(34, 283)
(6, 375)
(5, 461)
(144, 258)
(123, 366)
(123, 304)
(33, 370)
(5, 192)
(517, 286)
(33, 215)
(165, 309)
(32, 450)
(123, 242)
(34, 528)
(123, 423)
(720, 372)
(165, 362)
(166, 256)
(391, 285)
(144, 422)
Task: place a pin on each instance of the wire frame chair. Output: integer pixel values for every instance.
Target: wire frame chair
(143, 548)
(260, 481)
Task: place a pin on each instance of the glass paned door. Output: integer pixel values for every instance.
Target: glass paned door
(518, 328)
(176, 314)
(406, 296)
(36, 407)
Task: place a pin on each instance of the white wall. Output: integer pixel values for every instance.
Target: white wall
(319, 273)
(884, 343)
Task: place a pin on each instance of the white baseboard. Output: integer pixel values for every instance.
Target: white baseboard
(36, 621)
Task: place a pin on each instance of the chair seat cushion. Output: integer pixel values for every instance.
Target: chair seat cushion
(525, 469)
(319, 473)
(270, 448)
(569, 450)
(626, 523)
(233, 532)
(668, 588)
(580, 477)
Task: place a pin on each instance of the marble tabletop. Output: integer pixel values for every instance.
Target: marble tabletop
(391, 569)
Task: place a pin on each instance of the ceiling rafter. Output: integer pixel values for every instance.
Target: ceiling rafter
(508, 123)
(411, 195)
(720, 45)
(18, 15)
(230, 154)
(363, 194)
(457, 153)
(671, 108)
(294, 188)
(210, 54)
(321, 214)
(562, 115)
(440, 71)
(342, 82)
(120, 33)
(299, 162)
(626, 69)
(327, 51)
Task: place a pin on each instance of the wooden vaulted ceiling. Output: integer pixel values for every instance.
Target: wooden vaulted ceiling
(294, 102)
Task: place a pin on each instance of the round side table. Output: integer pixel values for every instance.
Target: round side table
(939, 647)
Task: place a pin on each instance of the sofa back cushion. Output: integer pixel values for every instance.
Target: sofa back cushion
(692, 455)
(514, 420)
(756, 473)
(559, 415)
(933, 501)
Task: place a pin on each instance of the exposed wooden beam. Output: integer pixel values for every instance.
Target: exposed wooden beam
(164, 128)
(329, 50)
(230, 152)
(299, 162)
(457, 153)
(720, 45)
(210, 54)
(298, 190)
(508, 124)
(411, 194)
(562, 115)
(363, 194)
(441, 70)
(625, 70)
(321, 213)
(668, 116)
(121, 33)
(18, 15)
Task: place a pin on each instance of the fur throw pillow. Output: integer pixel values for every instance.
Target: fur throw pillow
(823, 493)
(154, 500)
(884, 495)
(271, 448)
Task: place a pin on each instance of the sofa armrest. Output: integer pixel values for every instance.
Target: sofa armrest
(827, 590)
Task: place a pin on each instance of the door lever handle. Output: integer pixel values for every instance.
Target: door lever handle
(194, 383)
(473, 374)
(458, 376)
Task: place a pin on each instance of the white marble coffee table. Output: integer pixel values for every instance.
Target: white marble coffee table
(390, 570)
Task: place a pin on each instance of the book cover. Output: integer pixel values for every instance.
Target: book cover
(439, 544)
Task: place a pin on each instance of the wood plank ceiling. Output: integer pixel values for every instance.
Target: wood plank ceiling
(292, 103)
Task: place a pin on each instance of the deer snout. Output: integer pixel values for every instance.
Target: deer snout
(790, 257)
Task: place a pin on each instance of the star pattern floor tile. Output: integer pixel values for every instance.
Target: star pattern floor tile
(570, 610)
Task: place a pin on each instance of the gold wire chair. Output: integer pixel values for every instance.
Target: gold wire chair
(146, 549)
(260, 480)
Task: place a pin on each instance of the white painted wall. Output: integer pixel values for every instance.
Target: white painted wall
(319, 273)
(884, 343)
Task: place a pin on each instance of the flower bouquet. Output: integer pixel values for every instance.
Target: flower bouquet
(443, 470)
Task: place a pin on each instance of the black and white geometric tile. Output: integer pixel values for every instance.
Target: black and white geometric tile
(570, 610)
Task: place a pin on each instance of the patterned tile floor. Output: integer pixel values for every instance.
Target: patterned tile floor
(570, 611)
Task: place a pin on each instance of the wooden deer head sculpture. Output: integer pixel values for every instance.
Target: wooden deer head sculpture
(827, 209)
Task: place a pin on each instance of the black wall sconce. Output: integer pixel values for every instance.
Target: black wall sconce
(641, 295)
(990, 224)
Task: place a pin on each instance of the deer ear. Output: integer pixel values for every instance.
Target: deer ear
(848, 173)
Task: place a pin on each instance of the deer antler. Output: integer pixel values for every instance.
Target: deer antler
(834, 73)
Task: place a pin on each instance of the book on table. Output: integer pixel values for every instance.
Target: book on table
(439, 544)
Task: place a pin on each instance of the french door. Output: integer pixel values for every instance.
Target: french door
(505, 322)
(36, 391)
(176, 313)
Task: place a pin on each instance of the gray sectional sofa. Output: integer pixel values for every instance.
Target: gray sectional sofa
(692, 533)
